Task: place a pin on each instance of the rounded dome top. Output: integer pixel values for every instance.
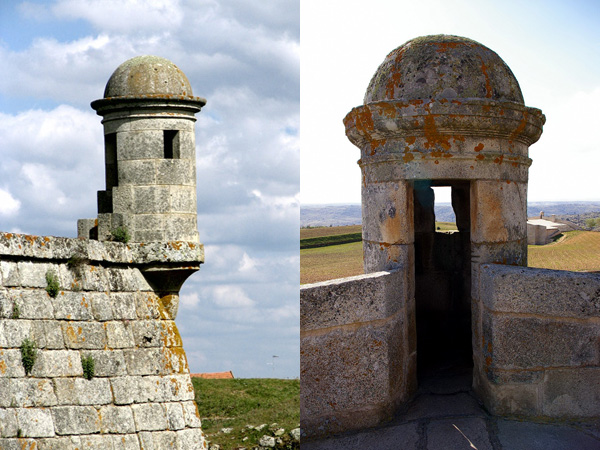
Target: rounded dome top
(443, 67)
(145, 76)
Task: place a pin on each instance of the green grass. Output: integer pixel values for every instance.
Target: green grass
(246, 401)
(327, 263)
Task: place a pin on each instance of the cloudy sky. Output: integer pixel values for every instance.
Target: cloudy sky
(552, 47)
(241, 309)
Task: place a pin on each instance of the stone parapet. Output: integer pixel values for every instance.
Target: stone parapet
(539, 349)
(357, 360)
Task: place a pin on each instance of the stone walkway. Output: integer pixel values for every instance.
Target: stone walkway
(446, 415)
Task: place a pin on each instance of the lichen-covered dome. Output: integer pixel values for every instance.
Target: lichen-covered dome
(443, 66)
(148, 76)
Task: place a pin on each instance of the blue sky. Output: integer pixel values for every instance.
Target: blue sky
(552, 47)
(242, 307)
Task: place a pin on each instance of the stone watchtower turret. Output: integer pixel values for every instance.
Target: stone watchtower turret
(148, 115)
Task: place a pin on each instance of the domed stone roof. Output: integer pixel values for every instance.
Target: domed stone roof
(148, 76)
(443, 66)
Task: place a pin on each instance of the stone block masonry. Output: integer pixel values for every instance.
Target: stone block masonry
(539, 342)
(140, 395)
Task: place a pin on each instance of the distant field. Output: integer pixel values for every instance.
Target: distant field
(308, 233)
(576, 251)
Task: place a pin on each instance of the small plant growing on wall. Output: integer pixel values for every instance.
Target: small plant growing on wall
(87, 363)
(28, 354)
(16, 312)
(52, 285)
(120, 234)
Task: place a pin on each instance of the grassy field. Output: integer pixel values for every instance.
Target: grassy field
(308, 233)
(576, 251)
(247, 401)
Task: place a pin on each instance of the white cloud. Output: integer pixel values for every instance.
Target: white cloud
(9, 206)
(189, 301)
(116, 15)
(231, 297)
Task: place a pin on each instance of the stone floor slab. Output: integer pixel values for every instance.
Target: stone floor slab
(458, 434)
(438, 406)
(399, 437)
(534, 436)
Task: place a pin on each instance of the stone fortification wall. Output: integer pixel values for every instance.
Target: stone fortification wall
(356, 351)
(140, 395)
(538, 333)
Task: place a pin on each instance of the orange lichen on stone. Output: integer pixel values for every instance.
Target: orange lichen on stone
(408, 157)
(433, 136)
(519, 128)
(488, 85)
(410, 140)
(480, 157)
(499, 159)
(479, 147)
(363, 121)
(386, 109)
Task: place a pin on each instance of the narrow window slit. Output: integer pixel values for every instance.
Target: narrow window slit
(171, 144)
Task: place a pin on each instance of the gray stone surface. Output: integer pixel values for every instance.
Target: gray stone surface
(533, 436)
(458, 434)
(351, 300)
(76, 420)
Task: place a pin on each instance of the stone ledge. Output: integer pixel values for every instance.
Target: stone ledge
(22, 246)
(540, 291)
(362, 298)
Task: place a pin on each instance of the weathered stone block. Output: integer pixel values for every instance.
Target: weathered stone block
(73, 306)
(13, 332)
(35, 422)
(507, 253)
(93, 278)
(190, 439)
(10, 273)
(174, 415)
(32, 305)
(76, 420)
(121, 281)
(124, 304)
(79, 391)
(129, 389)
(352, 300)
(47, 335)
(145, 361)
(540, 291)
(34, 274)
(144, 144)
(10, 364)
(137, 172)
(147, 305)
(108, 363)
(151, 200)
(149, 417)
(172, 388)
(152, 333)
(380, 256)
(349, 373)
(183, 199)
(521, 343)
(56, 363)
(119, 334)
(571, 393)
(498, 211)
(158, 440)
(59, 443)
(26, 392)
(176, 171)
(8, 420)
(149, 222)
(387, 213)
(84, 335)
(126, 442)
(191, 415)
(101, 306)
(116, 419)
